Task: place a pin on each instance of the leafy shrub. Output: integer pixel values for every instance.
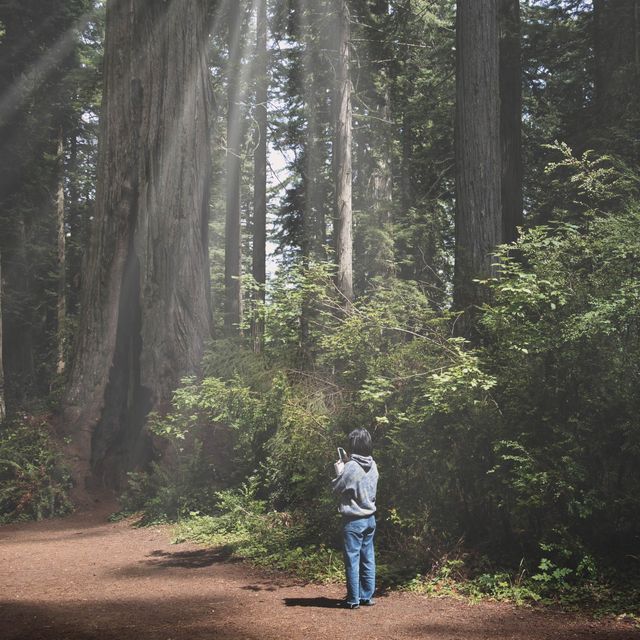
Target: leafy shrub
(563, 345)
(34, 481)
(523, 448)
(242, 523)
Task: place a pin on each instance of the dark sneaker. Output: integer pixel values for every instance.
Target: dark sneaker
(344, 604)
(367, 603)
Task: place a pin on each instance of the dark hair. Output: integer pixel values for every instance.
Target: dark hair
(360, 442)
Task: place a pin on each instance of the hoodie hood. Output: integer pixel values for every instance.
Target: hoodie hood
(356, 487)
(364, 461)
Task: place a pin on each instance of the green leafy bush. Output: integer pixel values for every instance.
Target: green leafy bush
(522, 449)
(243, 524)
(34, 481)
(563, 343)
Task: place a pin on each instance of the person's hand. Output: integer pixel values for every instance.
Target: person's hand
(338, 467)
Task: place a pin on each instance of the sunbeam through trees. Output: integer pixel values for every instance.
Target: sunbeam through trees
(233, 231)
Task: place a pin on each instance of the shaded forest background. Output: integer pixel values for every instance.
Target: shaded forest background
(445, 200)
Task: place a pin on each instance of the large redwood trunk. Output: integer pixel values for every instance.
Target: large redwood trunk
(145, 308)
(477, 146)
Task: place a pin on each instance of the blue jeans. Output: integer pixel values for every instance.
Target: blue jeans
(359, 559)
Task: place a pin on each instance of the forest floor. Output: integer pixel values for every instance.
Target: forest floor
(83, 577)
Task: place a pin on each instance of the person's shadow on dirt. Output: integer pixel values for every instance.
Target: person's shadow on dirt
(325, 603)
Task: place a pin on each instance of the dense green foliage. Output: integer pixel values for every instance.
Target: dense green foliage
(48, 127)
(563, 346)
(34, 479)
(518, 455)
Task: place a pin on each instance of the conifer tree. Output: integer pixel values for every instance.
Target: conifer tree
(477, 141)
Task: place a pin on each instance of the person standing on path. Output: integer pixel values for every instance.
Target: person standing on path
(356, 489)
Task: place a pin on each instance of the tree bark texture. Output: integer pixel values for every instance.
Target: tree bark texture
(342, 157)
(477, 149)
(233, 238)
(145, 306)
(61, 307)
(319, 119)
(313, 216)
(260, 172)
(510, 118)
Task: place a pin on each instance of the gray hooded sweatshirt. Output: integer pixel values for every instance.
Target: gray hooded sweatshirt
(356, 486)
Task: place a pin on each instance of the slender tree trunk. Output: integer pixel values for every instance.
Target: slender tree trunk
(260, 173)
(3, 406)
(313, 226)
(61, 307)
(342, 157)
(616, 39)
(408, 269)
(510, 118)
(373, 254)
(599, 50)
(77, 227)
(383, 176)
(233, 238)
(636, 44)
(477, 146)
(313, 223)
(145, 307)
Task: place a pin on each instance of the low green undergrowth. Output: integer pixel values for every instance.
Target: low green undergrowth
(269, 540)
(34, 481)
(244, 526)
(275, 540)
(601, 594)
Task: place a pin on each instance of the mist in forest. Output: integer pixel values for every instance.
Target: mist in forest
(231, 232)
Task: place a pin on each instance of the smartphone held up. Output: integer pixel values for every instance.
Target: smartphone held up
(339, 465)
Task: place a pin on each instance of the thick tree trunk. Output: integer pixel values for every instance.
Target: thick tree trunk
(145, 308)
(61, 307)
(233, 238)
(260, 173)
(342, 157)
(510, 118)
(477, 146)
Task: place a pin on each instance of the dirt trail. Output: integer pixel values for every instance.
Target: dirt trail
(86, 578)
